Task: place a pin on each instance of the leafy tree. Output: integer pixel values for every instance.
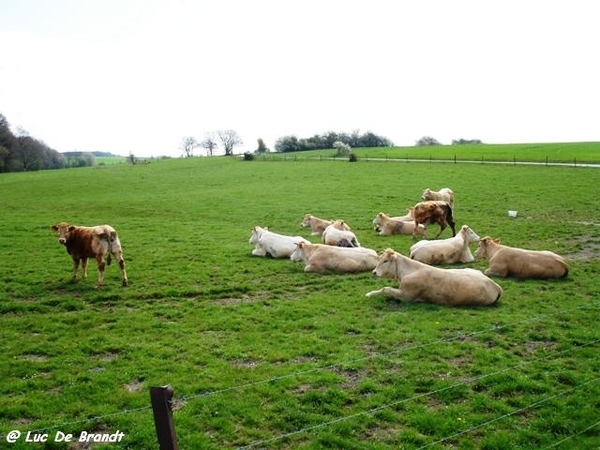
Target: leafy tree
(287, 144)
(229, 139)
(262, 148)
(188, 144)
(427, 140)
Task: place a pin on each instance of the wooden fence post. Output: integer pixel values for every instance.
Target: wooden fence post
(161, 397)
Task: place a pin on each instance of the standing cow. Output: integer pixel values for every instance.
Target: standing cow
(99, 242)
(439, 212)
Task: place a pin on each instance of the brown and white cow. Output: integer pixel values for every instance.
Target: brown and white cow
(516, 262)
(387, 226)
(444, 194)
(439, 212)
(327, 258)
(316, 225)
(419, 282)
(99, 242)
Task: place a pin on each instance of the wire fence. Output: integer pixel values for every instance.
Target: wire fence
(594, 422)
(546, 161)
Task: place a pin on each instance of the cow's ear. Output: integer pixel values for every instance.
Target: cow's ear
(496, 241)
(54, 227)
(71, 227)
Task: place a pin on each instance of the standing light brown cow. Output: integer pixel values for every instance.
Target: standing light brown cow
(420, 282)
(439, 212)
(515, 262)
(99, 242)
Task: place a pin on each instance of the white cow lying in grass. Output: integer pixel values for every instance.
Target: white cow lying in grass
(446, 251)
(325, 258)
(316, 225)
(516, 262)
(387, 226)
(339, 234)
(423, 283)
(267, 243)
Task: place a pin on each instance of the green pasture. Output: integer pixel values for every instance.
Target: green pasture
(567, 153)
(263, 355)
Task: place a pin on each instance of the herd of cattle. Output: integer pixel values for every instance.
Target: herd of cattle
(340, 251)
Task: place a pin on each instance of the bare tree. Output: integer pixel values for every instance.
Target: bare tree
(209, 143)
(229, 139)
(188, 144)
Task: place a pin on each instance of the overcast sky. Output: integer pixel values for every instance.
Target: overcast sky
(139, 75)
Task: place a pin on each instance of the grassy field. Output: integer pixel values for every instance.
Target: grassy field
(263, 355)
(571, 153)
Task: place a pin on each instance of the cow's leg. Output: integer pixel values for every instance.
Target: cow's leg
(414, 233)
(452, 227)
(84, 266)
(387, 292)
(101, 267)
(442, 228)
(119, 257)
(75, 267)
(496, 271)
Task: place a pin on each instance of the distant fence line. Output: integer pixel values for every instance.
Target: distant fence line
(514, 161)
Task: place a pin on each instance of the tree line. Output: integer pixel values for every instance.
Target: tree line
(23, 152)
(327, 140)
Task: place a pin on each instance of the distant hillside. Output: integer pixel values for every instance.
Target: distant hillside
(97, 154)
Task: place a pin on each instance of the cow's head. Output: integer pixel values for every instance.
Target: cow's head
(62, 230)
(340, 225)
(256, 234)
(484, 246)
(298, 253)
(469, 235)
(386, 266)
(426, 194)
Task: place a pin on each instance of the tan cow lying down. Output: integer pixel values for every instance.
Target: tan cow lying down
(387, 226)
(423, 283)
(515, 262)
(339, 234)
(434, 212)
(274, 245)
(316, 225)
(444, 194)
(97, 242)
(325, 258)
(446, 251)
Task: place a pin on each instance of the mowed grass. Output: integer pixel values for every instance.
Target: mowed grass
(263, 355)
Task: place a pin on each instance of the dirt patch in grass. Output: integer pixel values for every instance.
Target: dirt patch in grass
(134, 386)
(589, 248)
(32, 357)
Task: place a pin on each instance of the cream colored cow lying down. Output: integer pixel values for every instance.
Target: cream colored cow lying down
(316, 225)
(267, 243)
(339, 234)
(325, 258)
(444, 194)
(423, 283)
(387, 226)
(446, 251)
(515, 262)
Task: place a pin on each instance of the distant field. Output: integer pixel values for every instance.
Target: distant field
(581, 152)
(264, 355)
